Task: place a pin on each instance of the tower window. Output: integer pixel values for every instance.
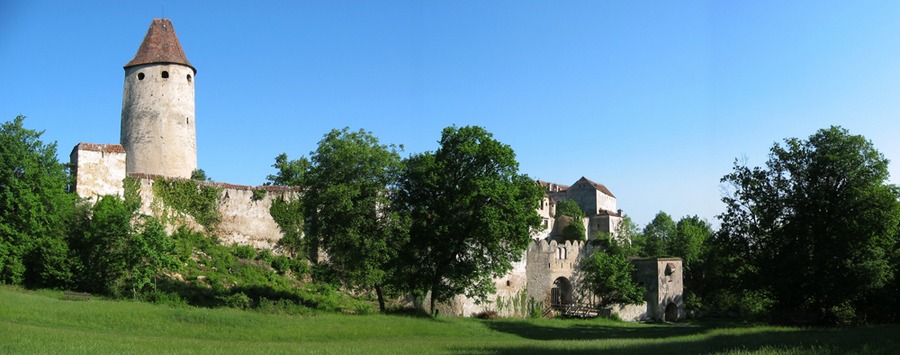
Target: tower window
(189, 77)
(165, 74)
(140, 76)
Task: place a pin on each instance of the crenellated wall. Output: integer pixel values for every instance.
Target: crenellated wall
(548, 276)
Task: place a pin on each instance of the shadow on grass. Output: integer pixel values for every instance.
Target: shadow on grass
(587, 331)
(692, 340)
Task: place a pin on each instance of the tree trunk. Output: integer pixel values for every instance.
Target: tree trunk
(380, 298)
(433, 292)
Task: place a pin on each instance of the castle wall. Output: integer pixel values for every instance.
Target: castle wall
(98, 169)
(244, 220)
(509, 300)
(158, 130)
(663, 278)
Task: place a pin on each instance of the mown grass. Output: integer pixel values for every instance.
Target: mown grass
(43, 322)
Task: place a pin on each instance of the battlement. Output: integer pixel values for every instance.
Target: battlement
(551, 246)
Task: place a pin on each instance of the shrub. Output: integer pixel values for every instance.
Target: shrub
(243, 251)
(165, 298)
(238, 300)
(489, 315)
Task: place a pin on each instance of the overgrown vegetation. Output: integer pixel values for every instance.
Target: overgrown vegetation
(192, 198)
(216, 275)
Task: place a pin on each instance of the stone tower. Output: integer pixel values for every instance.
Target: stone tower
(158, 130)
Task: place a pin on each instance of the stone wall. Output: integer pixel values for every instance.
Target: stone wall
(245, 220)
(663, 278)
(98, 169)
(158, 128)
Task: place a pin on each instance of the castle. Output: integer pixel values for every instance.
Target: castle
(158, 141)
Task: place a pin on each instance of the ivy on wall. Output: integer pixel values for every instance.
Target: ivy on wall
(132, 193)
(190, 197)
(288, 214)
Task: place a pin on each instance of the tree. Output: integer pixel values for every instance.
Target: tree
(609, 276)
(34, 209)
(690, 244)
(569, 208)
(290, 172)
(575, 229)
(346, 203)
(288, 212)
(470, 214)
(657, 236)
(100, 240)
(691, 234)
(816, 226)
(148, 252)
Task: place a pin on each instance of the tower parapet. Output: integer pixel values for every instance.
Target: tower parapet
(158, 128)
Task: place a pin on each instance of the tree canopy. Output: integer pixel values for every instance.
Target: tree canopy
(34, 208)
(815, 227)
(470, 214)
(608, 274)
(657, 236)
(347, 207)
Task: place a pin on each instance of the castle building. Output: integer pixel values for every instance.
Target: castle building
(158, 127)
(597, 202)
(158, 141)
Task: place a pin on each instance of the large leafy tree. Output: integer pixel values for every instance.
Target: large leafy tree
(815, 227)
(470, 214)
(346, 202)
(657, 236)
(34, 208)
(608, 274)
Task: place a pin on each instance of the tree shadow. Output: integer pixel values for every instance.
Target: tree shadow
(679, 340)
(587, 331)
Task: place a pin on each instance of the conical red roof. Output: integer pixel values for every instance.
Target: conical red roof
(160, 46)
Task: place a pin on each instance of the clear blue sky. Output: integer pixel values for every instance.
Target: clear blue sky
(653, 99)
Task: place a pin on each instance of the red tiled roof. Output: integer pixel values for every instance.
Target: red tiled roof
(548, 185)
(106, 148)
(600, 187)
(160, 46)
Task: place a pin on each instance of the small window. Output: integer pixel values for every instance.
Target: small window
(165, 74)
(140, 76)
(189, 77)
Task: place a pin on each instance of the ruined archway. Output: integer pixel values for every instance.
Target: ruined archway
(671, 312)
(562, 293)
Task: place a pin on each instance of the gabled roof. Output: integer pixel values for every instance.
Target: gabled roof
(160, 46)
(600, 187)
(548, 185)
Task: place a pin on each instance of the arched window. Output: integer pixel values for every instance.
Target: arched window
(165, 74)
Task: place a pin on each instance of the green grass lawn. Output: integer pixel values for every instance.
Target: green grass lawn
(43, 322)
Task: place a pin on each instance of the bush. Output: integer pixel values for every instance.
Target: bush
(238, 300)
(489, 315)
(281, 263)
(243, 251)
